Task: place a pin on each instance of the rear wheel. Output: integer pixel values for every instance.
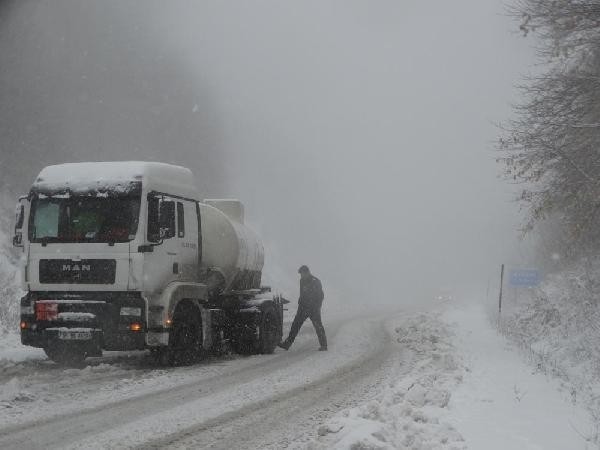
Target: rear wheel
(269, 330)
(246, 341)
(262, 334)
(65, 354)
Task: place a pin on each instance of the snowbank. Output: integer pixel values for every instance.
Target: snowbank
(409, 410)
(10, 291)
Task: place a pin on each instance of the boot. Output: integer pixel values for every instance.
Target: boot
(323, 348)
(285, 344)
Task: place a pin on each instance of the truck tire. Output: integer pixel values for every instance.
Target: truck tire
(246, 345)
(65, 355)
(185, 340)
(269, 330)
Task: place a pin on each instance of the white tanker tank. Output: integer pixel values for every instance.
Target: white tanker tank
(232, 255)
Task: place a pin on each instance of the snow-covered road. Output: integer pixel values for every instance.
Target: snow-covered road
(423, 378)
(256, 401)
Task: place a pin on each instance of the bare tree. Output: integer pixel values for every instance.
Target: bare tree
(552, 147)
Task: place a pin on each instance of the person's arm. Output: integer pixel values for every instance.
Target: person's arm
(300, 296)
(320, 294)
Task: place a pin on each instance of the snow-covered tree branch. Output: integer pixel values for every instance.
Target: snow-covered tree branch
(552, 147)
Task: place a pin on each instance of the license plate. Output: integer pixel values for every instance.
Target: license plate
(69, 335)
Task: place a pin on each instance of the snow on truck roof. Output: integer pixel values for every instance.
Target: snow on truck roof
(92, 175)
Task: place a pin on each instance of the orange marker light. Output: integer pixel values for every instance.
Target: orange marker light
(135, 327)
(24, 325)
(168, 322)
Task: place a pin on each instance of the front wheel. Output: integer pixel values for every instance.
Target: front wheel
(185, 341)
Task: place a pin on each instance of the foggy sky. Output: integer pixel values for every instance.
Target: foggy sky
(370, 126)
(359, 135)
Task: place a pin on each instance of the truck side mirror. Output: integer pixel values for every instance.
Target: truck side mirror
(19, 221)
(18, 240)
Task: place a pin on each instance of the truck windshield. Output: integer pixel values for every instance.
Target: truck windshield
(84, 218)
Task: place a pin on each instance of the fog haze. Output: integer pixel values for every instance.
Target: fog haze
(359, 135)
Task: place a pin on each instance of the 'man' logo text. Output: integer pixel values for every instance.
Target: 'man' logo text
(76, 268)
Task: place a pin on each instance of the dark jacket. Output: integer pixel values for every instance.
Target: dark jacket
(311, 292)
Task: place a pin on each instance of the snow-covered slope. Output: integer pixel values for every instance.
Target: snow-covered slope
(504, 401)
(10, 291)
(558, 327)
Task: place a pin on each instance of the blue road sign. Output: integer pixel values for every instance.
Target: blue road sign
(525, 277)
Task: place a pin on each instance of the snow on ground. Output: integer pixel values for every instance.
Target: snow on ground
(12, 351)
(355, 340)
(10, 291)
(35, 388)
(557, 325)
(460, 385)
(450, 382)
(504, 402)
(410, 410)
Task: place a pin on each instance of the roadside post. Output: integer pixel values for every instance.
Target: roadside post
(500, 296)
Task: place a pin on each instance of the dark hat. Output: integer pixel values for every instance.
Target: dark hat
(303, 269)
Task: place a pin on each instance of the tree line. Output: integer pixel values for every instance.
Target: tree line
(552, 146)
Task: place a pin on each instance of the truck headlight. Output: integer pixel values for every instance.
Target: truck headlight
(26, 310)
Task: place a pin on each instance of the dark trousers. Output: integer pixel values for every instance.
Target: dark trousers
(312, 313)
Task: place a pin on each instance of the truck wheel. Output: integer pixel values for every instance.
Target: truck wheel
(65, 355)
(268, 330)
(245, 344)
(185, 342)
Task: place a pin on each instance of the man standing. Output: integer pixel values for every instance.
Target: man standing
(309, 307)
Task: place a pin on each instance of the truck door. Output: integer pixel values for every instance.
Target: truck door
(187, 236)
(161, 265)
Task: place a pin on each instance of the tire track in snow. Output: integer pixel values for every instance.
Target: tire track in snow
(261, 424)
(62, 429)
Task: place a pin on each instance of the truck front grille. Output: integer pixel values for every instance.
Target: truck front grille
(86, 271)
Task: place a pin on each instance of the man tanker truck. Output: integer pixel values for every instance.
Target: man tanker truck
(124, 256)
